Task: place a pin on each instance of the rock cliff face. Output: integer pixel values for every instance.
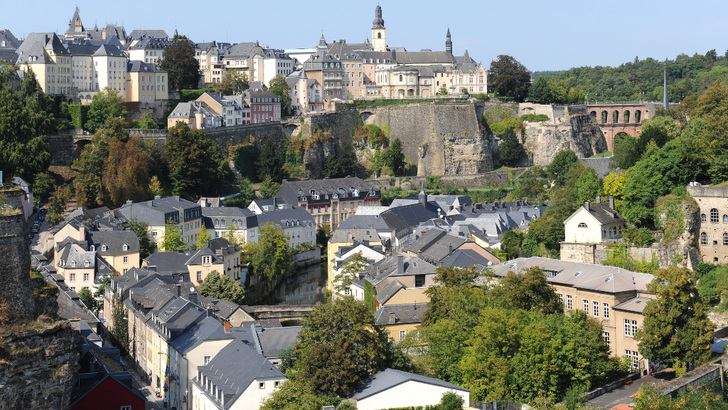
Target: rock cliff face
(576, 132)
(682, 250)
(38, 368)
(442, 139)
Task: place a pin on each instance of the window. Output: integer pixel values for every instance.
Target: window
(634, 327)
(702, 218)
(126, 259)
(595, 306)
(634, 358)
(402, 334)
(630, 327)
(561, 298)
(125, 247)
(73, 277)
(703, 238)
(276, 384)
(725, 219)
(714, 215)
(568, 302)
(582, 225)
(261, 385)
(85, 277)
(606, 310)
(205, 259)
(586, 306)
(125, 408)
(605, 336)
(104, 248)
(199, 275)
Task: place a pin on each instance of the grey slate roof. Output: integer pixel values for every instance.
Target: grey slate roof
(389, 267)
(273, 340)
(109, 51)
(114, 241)
(600, 278)
(168, 262)
(291, 190)
(286, 217)
(234, 368)
(33, 49)
(634, 305)
(10, 40)
(465, 258)
(410, 313)
(424, 57)
(390, 378)
(390, 290)
(604, 213)
(134, 66)
(138, 34)
(156, 211)
(435, 245)
(72, 258)
(206, 329)
(218, 217)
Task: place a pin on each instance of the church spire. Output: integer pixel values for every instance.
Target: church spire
(448, 42)
(378, 20)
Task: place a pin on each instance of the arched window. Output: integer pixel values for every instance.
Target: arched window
(714, 215)
(379, 35)
(582, 225)
(702, 218)
(703, 238)
(126, 247)
(104, 248)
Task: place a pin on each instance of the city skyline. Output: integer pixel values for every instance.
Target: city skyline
(543, 36)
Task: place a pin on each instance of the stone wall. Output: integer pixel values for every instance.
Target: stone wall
(575, 132)
(39, 368)
(442, 139)
(16, 290)
(62, 149)
(488, 179)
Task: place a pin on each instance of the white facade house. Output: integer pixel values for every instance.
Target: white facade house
(594, 223)
(394, 389)
(371, 254)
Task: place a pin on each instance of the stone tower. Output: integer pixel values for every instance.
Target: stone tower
(448, 42)
(379, 32)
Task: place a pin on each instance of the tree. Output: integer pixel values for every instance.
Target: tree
(269, 188)
(509, 78)
(280, 87)
(155, 187)
(344, 162)
(179, 62)
(120, 331)
(675, 325)
(246, 192)
(614, 186)
(511, 243)
(127, 171)
(587, 186)
(394, 157)
(172, 238)
(107, 103)
(43, 186)
(349, 269)
(197, 166)
(297, 394)
(148, 122)
(510, 149)
(141, 230)
(233, 83)
(529, 291)
(202, 238)
(339, 347)
(451, 401)
(270, 257)
(57, 205)
(88, 299)
(559, 167)
(220, 286)
(647, 398)
(270, 162)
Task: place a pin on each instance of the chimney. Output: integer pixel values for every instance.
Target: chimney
(400, 264)
(599, 200)
(157, 197)
(586, 206)
(449, 249)
(226, 323)
(178, 289)
(193, 297)
(392, 318)
(129, 202)
(611, 201)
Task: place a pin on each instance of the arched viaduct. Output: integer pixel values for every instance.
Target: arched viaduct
(616, 118)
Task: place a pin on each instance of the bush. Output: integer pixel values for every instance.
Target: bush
(451, 401)
(638, 236)
(534, 117)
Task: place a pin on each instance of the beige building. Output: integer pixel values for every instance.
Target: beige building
(589, 229)
(48, 58)
(325, 68)
(613, 296)
(182, 214)
(217, 255)
(146, 82)
(352, 82)
(713, 228)
(120, 249)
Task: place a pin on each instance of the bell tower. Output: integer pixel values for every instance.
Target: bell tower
(379, 32)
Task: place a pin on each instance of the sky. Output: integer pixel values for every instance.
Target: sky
(542, 35)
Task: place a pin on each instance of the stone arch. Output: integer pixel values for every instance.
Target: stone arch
(638, 116)
(367, 117)
(604, 117)
(626, 116)
(80, 145)
(593, 115)
(615, 117)
(291, 129)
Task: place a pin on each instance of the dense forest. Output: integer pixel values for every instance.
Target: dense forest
(633, 81)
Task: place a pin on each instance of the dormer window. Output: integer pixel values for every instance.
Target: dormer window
(125, 247)
(206, 259)
(104, 248)
(73, 263)
(86, 263)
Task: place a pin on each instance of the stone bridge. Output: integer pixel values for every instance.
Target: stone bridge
(614, 118)
(287, 312)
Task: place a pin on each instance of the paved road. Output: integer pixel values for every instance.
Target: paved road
(620, 395)
(153, 402)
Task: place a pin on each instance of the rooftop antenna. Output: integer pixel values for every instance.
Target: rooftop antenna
(664, 88)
